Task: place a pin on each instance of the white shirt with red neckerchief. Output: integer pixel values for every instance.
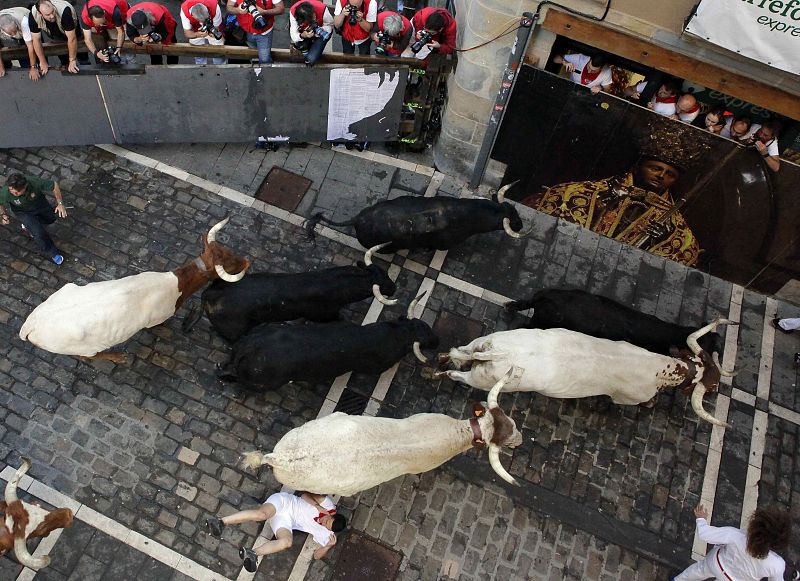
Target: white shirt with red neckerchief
(581, 61)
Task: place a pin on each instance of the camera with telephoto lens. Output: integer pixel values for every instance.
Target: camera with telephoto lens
(384, 40)
(209, 28)
(319, 31)
(113, 57)
(250, 6)
(153, 37)
(424, 39)
(352, 18)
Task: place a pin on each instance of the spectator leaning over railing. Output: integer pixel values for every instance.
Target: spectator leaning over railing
(354, 19)
(101, 22)
(310, 28)
(765, 139)
(151, 23)
(393, 34)
(202, 21)
(590, 71)
(736, 127)
(713, 121)
(14, 34)
(256, 18)
(440, 25)
(58, 21)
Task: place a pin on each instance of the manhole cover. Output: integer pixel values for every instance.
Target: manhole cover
(455, 330)
(283, 189)
(351, 403)
(366, 559)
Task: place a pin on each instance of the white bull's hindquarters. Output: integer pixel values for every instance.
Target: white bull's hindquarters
(566, 364)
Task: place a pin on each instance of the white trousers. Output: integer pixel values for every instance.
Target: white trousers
(789, 324)
(706, 568)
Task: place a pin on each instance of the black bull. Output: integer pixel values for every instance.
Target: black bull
(270, 356)
(602, 317)
(234, 309)
(415, 222)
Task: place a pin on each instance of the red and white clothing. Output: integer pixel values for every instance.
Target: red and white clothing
(582, 76)
(689, 116)
(661, 105)
(355, 34)
(447, 37)
(116, 15)
(407, 26)
(163, 22)
(246, 21)
(730, 561)
(294, 513)
(189, 22)
(324, 18)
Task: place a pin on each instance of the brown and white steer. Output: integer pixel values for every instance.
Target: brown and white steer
(567, 364)
(87, 320)
(23, 521)
(342, 454)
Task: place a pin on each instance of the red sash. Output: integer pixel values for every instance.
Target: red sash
(587, 76)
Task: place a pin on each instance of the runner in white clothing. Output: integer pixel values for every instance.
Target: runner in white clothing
(742, 555)
(314, 514)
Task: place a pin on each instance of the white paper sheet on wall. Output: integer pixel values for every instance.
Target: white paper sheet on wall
(355, 95)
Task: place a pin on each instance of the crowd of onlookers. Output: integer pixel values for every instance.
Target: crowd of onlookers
(595, 73)
(105, 24)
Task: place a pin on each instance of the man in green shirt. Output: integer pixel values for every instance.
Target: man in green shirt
(27, 197)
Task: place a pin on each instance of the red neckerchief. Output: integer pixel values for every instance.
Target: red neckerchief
(692, 110)
(673, 99)
(587, 77)
(322, 514)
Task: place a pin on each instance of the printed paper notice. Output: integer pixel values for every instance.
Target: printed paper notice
(354, 96)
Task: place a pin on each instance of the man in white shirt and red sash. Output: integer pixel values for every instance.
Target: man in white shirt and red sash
(589, 71)
(742, 555)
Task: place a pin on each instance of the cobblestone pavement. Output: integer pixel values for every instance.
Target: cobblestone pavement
(606, 490)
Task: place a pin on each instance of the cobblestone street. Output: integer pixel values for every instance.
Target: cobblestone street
(145, 451)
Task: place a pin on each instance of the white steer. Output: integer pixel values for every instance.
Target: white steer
(342, 454)
(567, 364)
(87, 320)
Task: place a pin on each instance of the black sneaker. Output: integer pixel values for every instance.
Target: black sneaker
(250, 559)
(215, 526)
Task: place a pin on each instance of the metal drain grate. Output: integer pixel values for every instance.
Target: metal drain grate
(366, 559)
(351, 403)
(283, 189)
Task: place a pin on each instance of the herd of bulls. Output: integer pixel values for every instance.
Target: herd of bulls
(575, 344)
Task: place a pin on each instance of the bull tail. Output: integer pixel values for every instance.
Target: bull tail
(312, 222)
(516, 306)
(255, 460)
(191, 319)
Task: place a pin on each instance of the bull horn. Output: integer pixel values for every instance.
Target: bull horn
(254, 460)
(722, 371)
(212, 234)
(229, 277)
(501, 193)
(497, 466)
(691, 340)
(11, 487)
(418, 352)
(413, 305)
(697, 405)
(368, 254)
(509, 231)
(491, 399)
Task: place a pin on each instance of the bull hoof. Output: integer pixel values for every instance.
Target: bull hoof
(649, 403)
(428, 373)
(443, 358)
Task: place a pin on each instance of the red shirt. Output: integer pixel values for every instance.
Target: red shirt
(196, 24)
(406, 26)
(108, 7)
(163, 19)
(319, 10)
(447, 37)
(246, 21)
(354, 33)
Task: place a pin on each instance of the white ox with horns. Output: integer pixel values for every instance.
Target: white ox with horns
(342, 454)
(87, 320)
(23, 521)
(567, 364)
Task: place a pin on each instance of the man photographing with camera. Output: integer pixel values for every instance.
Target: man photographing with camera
(310, 28)
(102, 21)
(202, 21)
(151, 23)
(354, 19)
(392, 34)
(437, 28)
(256, 18)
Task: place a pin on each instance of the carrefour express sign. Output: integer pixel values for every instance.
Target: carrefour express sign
(765, 30)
